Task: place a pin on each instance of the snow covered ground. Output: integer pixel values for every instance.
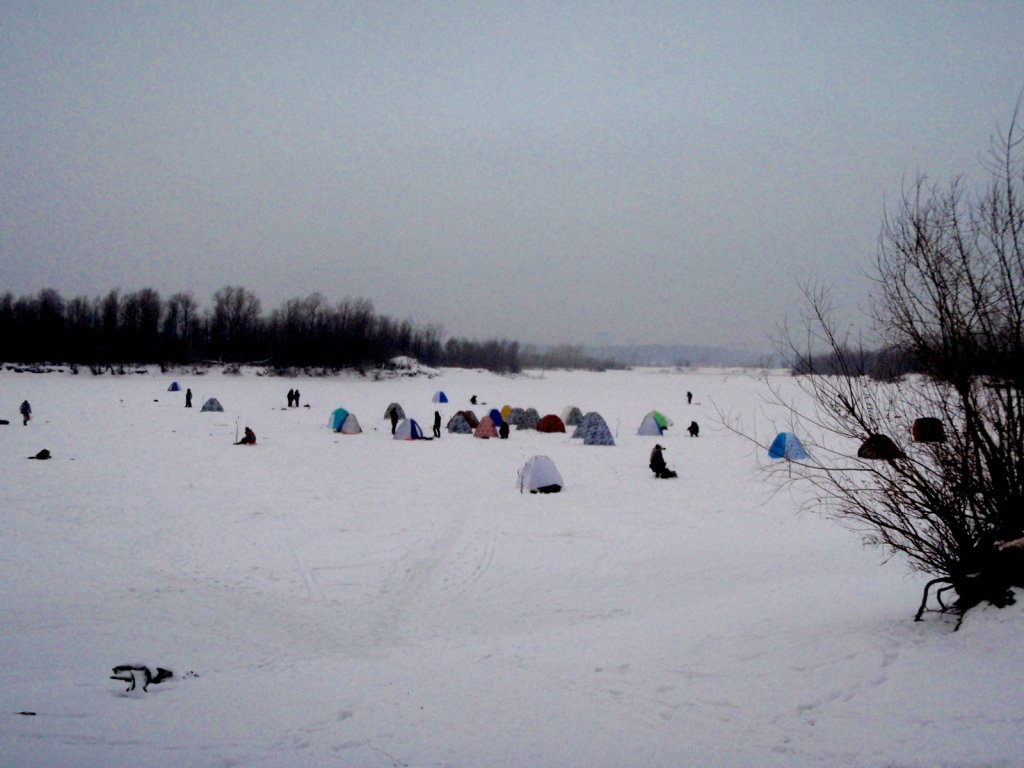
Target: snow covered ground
(334, 600)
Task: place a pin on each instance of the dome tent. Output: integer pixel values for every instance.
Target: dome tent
(345, 422)
(928, 429)
(439, 397)
(880, 447)
(550, 423)
(496, 417)
(595, 431)
(572, 416)
(213, 404)
(459, 425)
(174, 387)
(530, 419)
(485, 429)
(787, 446)
(397, 409)
(650, 426)
(539, 475)
(408, 429)
(516, 417)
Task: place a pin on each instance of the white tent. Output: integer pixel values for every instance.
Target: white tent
(539, 475)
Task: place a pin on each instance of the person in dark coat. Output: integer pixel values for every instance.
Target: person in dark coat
(394, 420)
(658, 465)
(248, 439)
(291, 397)
(689, 397)
(503, 430)
(188, 398)
(296, 398)
(437, 423)
(26, 412)
(693, 429)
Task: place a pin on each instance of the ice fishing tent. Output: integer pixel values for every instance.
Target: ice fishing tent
(550, 423)
(496, 417)
(787, 446)
(515, 417)
(485, 429)
(650, 426)
(394, 408)
(530, 419)
(928, 429)
(175, 387)
(539, 475)
(596, 431)
(572, 416)
(880, 447)
(213, 404)
(439, 397)
(584, 423)
(459, 424)
(471, 418)
(505, 411)
(345, 422)
(408, 429)
(663, 421)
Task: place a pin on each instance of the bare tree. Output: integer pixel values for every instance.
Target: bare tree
(946, 493)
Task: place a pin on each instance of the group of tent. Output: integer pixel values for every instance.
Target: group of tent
(926, 429)
(211, 404)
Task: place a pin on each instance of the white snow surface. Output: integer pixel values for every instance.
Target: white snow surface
(353, 600)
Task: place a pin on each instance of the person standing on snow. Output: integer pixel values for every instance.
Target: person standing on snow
(26, 412)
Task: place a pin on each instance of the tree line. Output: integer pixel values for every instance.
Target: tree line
(140, 327)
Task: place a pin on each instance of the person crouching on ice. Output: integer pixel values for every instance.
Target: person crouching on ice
(658, 465)
(249, 438)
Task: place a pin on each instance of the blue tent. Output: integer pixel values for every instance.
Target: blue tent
(439, 397)
(787, 446)
(174, 387)
(408, 429)
(496, 417)
(343, 421)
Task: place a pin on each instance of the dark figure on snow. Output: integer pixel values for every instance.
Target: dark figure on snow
(291, 397)
(503, 430)
(689, 397)
(188, 398)
(437, 423)
(248, 439)
(658, 465)
(473, 399)
(296, 398)
(26, 412)
(693, 429)
(394, 420)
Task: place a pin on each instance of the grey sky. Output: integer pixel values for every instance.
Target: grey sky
(546, 172)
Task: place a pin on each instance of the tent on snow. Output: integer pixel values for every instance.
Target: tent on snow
(584, 423)
(928, 429)
(485, 429)
(530, 419)
(408, 429)
(505, 411)
(471, 418)
(397, 409)
(539, 475)
(572, 416)
(880, 447)
(213, 404)
(439, 397)
(345, 422)
(175, 387)
(595, 431)
(550, 423)
(496, 417)
(459, 424)
(663, 421)
(650, 426)
(787, 446)
(515, 417)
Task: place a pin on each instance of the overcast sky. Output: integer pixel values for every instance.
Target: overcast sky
(543, 172)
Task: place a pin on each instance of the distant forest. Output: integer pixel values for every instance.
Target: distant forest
(141, 327)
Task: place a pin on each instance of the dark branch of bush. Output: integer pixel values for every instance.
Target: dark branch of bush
(949, 306)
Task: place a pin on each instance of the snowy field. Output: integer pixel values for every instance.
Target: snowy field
(334, 600)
